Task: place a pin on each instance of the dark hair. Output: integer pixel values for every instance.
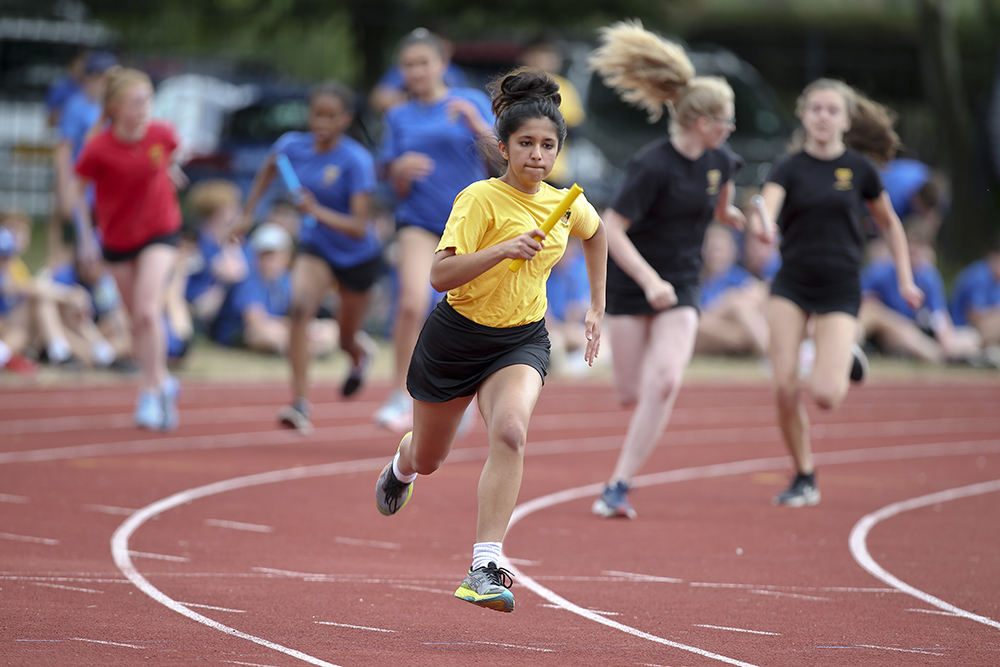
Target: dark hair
(522, 95)
(334, 89)
(423, 36)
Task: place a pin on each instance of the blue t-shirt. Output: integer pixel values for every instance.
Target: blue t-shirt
(428, 129)
(8, 299)
(274, 297)
(78, 116)
(333, 177)
(60, 91)
(975, 288)
(879, 279)
(713, 287)
(568, 284)
(902, 178)
(104, 293)
(201, 278)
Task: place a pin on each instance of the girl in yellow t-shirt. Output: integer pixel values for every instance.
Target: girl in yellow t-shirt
(488, 337)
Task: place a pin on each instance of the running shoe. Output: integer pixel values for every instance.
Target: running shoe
(396, 414)
(614, 502)
(22, 365)
(802, 492)
(488, 587)
(391, 495)
(149, 410)
(859, 364)
(170, 390)
(296, 416)
(359, 371)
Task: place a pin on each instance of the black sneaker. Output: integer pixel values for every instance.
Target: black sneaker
(296, 416)
(356, 377)
(802, 492)
(859, 364)
(391, 495)
(488, 587)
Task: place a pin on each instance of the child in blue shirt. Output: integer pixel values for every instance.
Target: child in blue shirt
(338, 244)
(975, 298)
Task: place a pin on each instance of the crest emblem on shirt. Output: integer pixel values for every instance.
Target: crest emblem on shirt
(155, 154)
(714, 177)
(330, 175)
(843, 176)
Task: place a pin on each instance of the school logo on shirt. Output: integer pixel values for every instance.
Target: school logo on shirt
(843, 176)
(330, 175)
(714, 178)
(156, 153)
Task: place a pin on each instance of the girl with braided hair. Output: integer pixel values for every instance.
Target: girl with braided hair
(816, 194)
(673, 188)
(487, 337)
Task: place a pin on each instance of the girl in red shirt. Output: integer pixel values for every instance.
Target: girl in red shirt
(136, 211)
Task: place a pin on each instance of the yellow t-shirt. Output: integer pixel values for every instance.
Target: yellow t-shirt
(490, 212)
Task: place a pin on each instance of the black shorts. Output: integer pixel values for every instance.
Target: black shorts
(819, 289)
(173, 239)
(357, 278)
(632, 301)
(454, 354)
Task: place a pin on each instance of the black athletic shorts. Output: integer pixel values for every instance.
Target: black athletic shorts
(454, 354)
(357, 278)
(631, 300)
(819, 289)
(173, 239)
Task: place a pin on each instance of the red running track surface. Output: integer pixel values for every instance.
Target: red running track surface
(230, 542)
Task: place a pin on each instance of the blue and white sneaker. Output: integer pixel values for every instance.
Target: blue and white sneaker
(149, 409)
(614, 502)
(170, 390)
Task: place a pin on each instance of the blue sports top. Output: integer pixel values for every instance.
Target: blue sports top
(429, 129)
(274, 297)
(104, 293)
(713, 287)
(78, 115)
(879, 279)
(333, 177)
(975, 289)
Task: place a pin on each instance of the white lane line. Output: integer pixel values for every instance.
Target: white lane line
(932, 611)
(596, 611)
(109, 509)
(238, 525)
(423, 589)
(9, 498)
(208, 606)
(886, 648)
(723, 627)
(123, 560)
(524, 562)
(354, 627)
(631, 576)
(145, 554)
(859, 543)
(354, 542)
(470, 643)
(66, 588)
(797, 596)
(27, 538)
(248, 664)
(98, 641)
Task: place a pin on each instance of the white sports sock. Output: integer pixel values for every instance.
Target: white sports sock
(58, 350)
(405, 479)
(104, 354)
(484, 553)
(5, 353)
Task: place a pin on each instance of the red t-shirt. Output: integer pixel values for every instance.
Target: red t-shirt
(136, 200)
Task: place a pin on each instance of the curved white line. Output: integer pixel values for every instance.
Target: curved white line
(122, 558)
(859, 546)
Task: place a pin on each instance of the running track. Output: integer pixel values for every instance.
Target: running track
(230, 542)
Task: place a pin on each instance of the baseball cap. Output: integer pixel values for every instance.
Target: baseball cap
(270, 237)
(100, 62)
(8, 243)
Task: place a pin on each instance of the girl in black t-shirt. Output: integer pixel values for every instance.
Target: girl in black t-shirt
(820, 192)
(656, 224)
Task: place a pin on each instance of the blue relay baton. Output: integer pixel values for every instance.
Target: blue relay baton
(288, 175)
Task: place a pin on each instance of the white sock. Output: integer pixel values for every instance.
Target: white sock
(58, 350)
(405, 479)
(104, 354)
(5, 353)
(484, 553)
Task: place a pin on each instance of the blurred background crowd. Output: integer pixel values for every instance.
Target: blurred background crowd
(234, 76)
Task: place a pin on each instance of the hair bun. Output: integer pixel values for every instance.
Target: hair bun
(524, 84)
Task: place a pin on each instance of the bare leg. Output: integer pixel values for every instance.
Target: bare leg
(416, 254)
(897, 333)
(830, 379)
(353, 306)
(434, 428)
(311, 277)
(788, 324)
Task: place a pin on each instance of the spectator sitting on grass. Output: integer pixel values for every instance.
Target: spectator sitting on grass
(14, 317)
(975, 297)
(255, 312)
(927, 334)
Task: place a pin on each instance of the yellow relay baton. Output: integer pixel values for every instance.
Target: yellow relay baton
(550, 222)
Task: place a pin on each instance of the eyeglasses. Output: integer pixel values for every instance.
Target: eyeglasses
(729, 122)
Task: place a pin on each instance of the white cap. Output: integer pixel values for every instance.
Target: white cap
(270, 237)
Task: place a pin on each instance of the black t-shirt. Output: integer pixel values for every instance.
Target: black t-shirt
(820, 220)
(670, 201)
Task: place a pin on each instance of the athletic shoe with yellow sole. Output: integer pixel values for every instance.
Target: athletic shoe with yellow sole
(488, 587)
(391, 495)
